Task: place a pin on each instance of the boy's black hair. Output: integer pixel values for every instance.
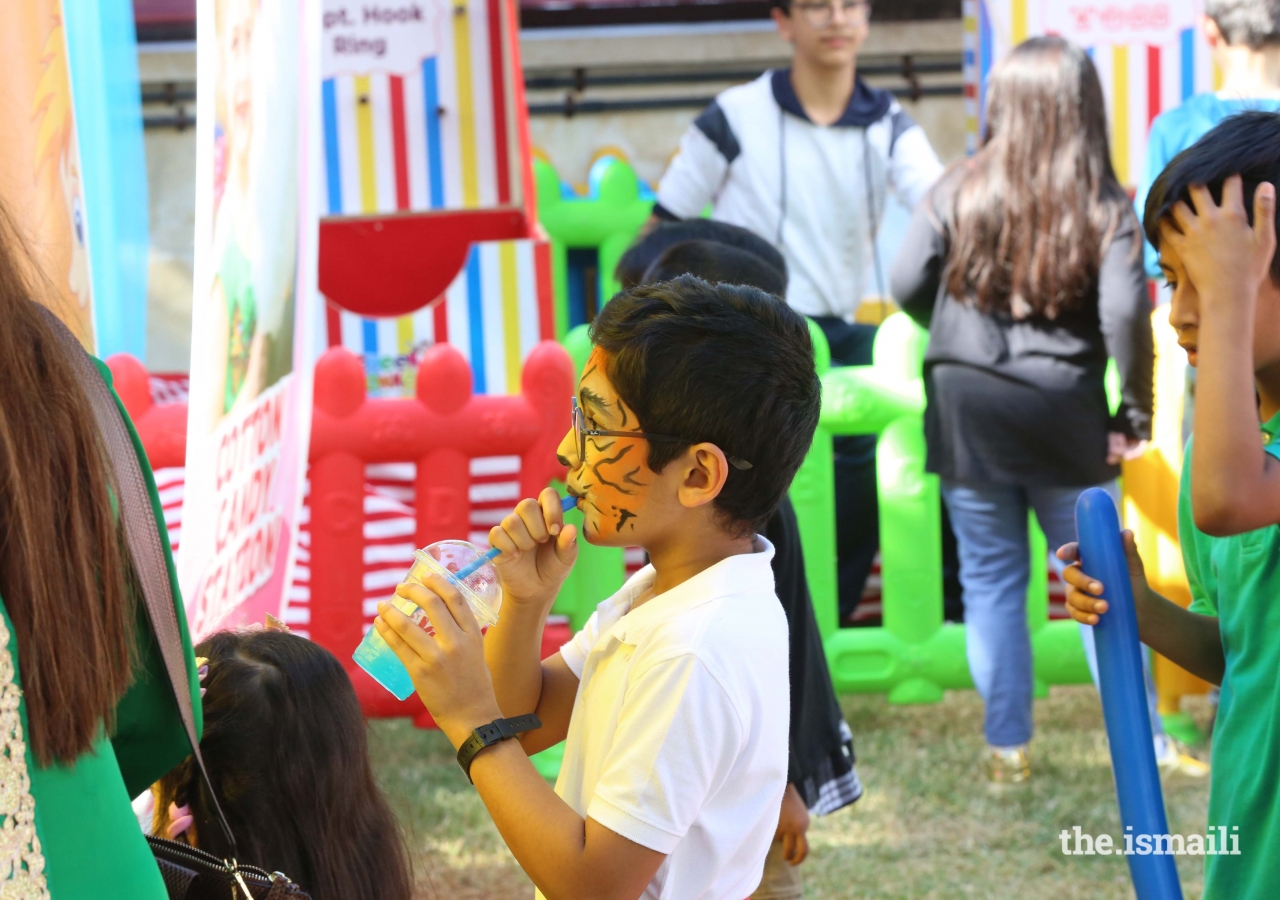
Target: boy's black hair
(728, 364)
(645, 251)
(717, 263)
(1246, 144)
(1253, 23)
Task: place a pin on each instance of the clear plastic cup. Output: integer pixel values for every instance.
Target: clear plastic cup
(482, 590)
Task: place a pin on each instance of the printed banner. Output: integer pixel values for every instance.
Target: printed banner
(40, 173)
(367, 37)
(420, 110)
(429, 124)
(1111, 23)
(250, 400)
(1149, 55)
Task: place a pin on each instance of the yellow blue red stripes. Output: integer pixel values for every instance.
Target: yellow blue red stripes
(423, 140)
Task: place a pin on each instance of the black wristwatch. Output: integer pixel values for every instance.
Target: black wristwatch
(488, 735)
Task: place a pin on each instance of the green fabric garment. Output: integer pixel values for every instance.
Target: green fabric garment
(89, 837)
(1237, 579)
(242, 314)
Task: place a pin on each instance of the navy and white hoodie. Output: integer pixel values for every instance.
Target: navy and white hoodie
(758, 159)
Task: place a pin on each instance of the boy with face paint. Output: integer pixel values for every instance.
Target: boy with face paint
(696, 408)
(820, 771)
(1212, 216)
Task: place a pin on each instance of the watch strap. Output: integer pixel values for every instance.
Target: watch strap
(496, 731)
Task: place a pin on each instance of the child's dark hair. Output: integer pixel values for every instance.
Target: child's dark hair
(1246, 144)
(1253, 23)
(646, 251)
(722, 363)
(285, 744)
(719, 264)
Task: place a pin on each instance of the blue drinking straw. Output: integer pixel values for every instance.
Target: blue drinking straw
(566, 504)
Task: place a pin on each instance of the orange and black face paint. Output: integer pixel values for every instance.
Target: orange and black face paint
(612, 486)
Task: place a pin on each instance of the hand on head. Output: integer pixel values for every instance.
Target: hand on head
(1222, 254)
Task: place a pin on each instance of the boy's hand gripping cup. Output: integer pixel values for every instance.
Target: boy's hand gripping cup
(480, 587)
(471, 572)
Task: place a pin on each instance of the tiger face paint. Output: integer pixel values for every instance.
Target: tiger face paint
(612, 478)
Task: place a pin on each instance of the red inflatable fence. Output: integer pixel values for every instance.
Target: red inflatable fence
(441, 430)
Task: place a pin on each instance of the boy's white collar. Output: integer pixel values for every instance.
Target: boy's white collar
(738, 574)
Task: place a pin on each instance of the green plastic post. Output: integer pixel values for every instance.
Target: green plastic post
(915, 656)
(1037, 588)
(608, 219)
(813, 496)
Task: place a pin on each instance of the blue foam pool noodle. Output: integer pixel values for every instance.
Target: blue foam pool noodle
(1124, 696)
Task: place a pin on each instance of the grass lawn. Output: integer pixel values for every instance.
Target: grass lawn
(929, 826)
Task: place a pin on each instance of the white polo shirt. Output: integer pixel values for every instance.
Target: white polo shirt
(678, 739)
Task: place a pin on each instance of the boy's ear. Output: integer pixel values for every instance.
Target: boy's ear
(704, 469)
(1212, 33)
(783, 21)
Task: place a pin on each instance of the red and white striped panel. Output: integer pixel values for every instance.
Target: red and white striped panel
(170, 485)
(170, 387)
(635, 559)
(390, 524)
(870, 610)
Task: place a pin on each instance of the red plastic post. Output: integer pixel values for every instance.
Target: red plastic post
(163, 428)
(441, 429)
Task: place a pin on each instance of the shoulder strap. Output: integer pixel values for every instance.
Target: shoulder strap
(143, 536)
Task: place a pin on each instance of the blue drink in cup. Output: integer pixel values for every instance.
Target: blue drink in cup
(481, 588)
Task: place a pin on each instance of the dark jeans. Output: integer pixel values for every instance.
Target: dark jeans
(857, 503)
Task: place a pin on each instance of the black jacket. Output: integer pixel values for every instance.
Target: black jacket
(1023, 401)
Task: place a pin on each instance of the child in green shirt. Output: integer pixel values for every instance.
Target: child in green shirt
(1211, 214)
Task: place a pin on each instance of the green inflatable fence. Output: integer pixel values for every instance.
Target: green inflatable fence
(607, 219)
(914, 656)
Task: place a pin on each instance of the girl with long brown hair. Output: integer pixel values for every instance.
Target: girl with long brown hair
(1025, 264)
(87, 716)
(287, 751)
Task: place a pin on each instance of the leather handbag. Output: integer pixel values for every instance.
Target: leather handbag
(189, 873)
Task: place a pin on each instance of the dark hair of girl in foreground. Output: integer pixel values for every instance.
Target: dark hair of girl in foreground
(285, 744)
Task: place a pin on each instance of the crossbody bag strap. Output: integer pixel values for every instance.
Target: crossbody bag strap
(143, 536)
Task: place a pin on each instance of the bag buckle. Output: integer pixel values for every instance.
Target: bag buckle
(234, 869)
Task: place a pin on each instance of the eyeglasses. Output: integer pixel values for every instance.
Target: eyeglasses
(581, 432)
(821, 15)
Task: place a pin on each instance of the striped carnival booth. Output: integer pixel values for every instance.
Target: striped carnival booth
(438, 136)
(1149, 57)
(428, 193)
